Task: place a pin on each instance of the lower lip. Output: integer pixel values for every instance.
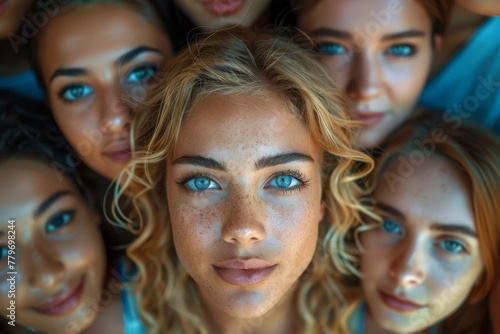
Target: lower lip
(242, 277)
(370, 120)
(398, 305)
(121, 157)
(225, 8)
(66, 305)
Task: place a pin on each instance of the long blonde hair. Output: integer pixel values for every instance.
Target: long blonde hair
(238, 62)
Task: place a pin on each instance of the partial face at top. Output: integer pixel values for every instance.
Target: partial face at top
(97, 62)
(244, 194)
(11, 12)
(420, 265)
(213, 14)
(379, 52)
(55, 247)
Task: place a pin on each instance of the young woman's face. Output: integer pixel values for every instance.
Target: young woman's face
(244, 196)
(379, 52)
(213, 14)
(420, 265)
(55, 247)
(97, 62)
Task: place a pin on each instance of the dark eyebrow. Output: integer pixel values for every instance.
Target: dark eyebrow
(49, 201)
(389, 209)
(68, 72)
(282, 159)
(130, 55)
(346, 35)
(454, 228)
(198, 160)
(331, 32)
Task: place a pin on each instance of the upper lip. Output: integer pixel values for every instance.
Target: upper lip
(117, 147)
(244, 263)
(59, 297)
(401, 299)
(367, 113)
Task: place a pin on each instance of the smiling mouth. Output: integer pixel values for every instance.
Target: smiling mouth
(63, 302)
(399, 304)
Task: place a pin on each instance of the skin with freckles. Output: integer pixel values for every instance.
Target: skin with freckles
(380, 60)
(214, 14)
(232, 197)
(420, 265)
(97, 62)
(59, 277)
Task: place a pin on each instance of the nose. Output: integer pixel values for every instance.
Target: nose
(44, 270)
(116, 112)
(245, 224)
(365, 77)
(408, 267)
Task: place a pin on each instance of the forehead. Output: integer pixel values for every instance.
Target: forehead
(435, 191)
(366, 16)
(82, 35)
(29, 183)
(242, 123)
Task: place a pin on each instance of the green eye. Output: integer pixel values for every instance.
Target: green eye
(331, 49)
(391, 226)
(452, 246)
(142, 73)
(401, 50)
(59, 220)
(75, 92)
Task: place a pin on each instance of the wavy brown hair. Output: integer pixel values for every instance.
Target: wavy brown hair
(238, 62)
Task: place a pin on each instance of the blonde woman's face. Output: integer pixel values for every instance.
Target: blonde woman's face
(421, 264)
(55, 248)
(98, 62)
(244, 196)
(379, 52)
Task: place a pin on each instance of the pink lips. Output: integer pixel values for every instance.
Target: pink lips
(63, 301)
(118, 152)
(223, 8)
(243, 272)
(399, 304)
(369, 119)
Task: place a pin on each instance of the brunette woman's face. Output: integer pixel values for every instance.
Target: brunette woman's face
(214, 14)
(97, 62)
(421, 264)
(244, 196)
(379, 52)
(54, 246)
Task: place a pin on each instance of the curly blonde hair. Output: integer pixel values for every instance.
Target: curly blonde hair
(238, 62)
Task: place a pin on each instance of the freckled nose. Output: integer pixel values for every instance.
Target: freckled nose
(245, 224)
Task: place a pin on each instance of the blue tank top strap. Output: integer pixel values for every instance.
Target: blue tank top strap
(131, 320)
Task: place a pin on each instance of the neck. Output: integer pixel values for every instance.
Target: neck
(281, 319)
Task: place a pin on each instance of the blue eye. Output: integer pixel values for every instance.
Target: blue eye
(452, 246)
(285, 181)
(74, 92)
(142, 73)
(201, 183)
(391, 226)
(59, 220)
(331, 49)
(401, 50)
(4, 252)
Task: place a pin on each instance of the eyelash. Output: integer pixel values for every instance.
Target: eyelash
(65, 88)
(184, 179)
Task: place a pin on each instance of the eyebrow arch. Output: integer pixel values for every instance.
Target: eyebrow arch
(49, 201)
(198, 160)
(389, 209)
(454, 228)
(68, 72)
(282, 159)
(130, 55)
(346, 35)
